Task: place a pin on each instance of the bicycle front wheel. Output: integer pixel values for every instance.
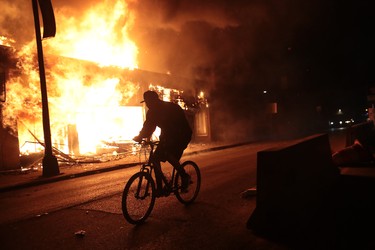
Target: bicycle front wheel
(138, 198)
(187, 196)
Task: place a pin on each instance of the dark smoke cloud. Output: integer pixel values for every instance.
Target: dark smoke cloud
(16, 20)
(315, 52)
(198, 38)
(183, 36)
(233, 46)
(239, 47)
(188, 37)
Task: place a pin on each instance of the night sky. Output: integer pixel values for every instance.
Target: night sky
(316, 50)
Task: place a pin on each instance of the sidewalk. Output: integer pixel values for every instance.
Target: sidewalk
(10, 180)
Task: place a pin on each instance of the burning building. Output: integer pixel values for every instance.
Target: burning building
(94, 91)
(92, 108)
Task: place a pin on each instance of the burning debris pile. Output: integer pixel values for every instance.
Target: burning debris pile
(111, 152)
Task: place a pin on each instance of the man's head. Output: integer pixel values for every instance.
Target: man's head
(151, 98)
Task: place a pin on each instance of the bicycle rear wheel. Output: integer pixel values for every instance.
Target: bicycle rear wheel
(188, 196)
(138, 198)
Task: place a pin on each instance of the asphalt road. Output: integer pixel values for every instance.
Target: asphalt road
(85, 212)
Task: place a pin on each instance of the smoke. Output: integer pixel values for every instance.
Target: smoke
(234, 48)
(184, 37)
(238, 48)
(16, 21)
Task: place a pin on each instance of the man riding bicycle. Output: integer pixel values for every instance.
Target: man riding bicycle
(174, 137)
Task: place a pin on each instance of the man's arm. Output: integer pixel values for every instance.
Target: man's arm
(148, 128)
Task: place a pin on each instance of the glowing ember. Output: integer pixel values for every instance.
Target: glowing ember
(6, 41)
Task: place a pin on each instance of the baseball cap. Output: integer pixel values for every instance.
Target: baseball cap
(149, 95)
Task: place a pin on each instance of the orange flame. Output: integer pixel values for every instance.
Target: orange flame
(79, 94)
(100, 35)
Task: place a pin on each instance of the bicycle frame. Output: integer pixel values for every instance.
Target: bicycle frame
(148, 167)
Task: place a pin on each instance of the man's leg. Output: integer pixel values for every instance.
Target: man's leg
(158, 175)
(185, 178)
(159, 155)
(175, 162)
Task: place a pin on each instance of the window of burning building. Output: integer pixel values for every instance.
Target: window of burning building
(201, 123)
(202, 117)
(196, 108)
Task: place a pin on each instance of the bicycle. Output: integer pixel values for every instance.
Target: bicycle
(139, 193)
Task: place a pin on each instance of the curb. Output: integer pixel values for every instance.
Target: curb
(62, 176)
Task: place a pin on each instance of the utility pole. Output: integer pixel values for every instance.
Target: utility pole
(50, 164)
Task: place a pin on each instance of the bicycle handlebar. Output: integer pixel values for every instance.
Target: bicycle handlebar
(146, 142)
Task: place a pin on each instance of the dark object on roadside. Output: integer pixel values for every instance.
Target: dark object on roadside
(355, 154)
(295, 192)
(360, 146)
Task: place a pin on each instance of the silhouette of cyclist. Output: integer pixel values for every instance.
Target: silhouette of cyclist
(174, 137)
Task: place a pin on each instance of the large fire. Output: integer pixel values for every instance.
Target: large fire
(99, 35)
(85, 105)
